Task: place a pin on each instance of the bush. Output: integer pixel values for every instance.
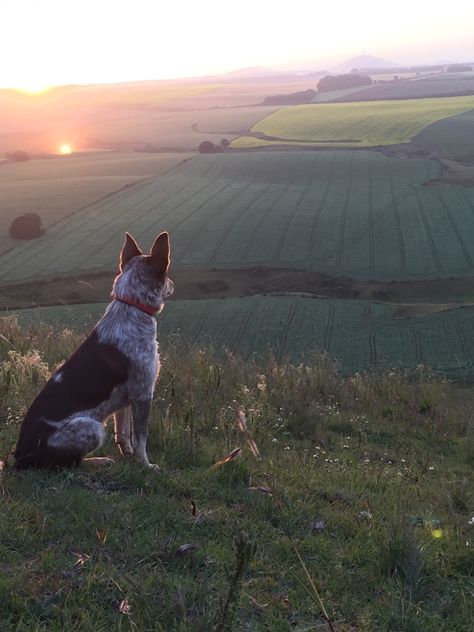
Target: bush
(18, 156)
(26, 226)
(206, 147)
(339, 82)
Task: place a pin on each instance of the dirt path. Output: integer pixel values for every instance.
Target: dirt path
(193, 283)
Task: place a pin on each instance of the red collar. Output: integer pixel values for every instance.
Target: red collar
(148, 309)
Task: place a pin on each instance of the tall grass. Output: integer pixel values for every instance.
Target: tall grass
(355, 493)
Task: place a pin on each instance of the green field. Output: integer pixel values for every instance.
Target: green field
(360, 335)
(362, 124)
(359, 214)
(58, 186)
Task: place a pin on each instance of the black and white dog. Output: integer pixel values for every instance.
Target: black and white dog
(113, 371)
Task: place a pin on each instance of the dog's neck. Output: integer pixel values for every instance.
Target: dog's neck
(148, 309)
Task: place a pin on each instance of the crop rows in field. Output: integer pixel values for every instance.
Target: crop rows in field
(358, 214)
(361, 124)
(358, 334)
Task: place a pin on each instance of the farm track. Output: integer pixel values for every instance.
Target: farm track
(317, 215)
(373, 348)
(396, 214)
(283, 342)
(342, 228)
(241, 329)
(464, 345)
(429, 234)
(371, 217)
(455, 228)
(202, 323)
(329, 327)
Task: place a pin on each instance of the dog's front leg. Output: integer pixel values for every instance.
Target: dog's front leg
(141, 413)
(123, 430)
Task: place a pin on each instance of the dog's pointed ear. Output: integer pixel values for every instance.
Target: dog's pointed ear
(130, 249)
(160, 254)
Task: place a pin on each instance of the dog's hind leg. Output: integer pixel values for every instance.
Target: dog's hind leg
(71, 441)
(123, 430)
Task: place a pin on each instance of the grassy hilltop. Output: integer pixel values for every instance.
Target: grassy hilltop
(359, 509)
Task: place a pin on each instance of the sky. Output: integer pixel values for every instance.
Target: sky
(54, 42)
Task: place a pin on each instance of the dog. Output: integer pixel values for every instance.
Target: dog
(113, 371)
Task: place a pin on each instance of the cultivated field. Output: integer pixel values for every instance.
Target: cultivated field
(360, 335)
(445, 85)
(58, 187)
(355, 124)
(359, 214)
(452, 137)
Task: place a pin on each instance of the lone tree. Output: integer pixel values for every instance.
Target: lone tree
(206, 147)
(26, 226)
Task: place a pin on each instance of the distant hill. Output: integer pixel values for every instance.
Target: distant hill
(364, 61)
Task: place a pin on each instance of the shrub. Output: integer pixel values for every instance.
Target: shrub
(338, 82)
(26, 226)
(18, 156)
(206, 147)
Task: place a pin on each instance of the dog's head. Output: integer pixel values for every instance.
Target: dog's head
(144, 277)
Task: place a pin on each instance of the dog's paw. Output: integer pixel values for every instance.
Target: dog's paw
(153, 466)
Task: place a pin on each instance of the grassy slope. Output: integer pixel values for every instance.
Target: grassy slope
(370, 486)
(358, 334)
(358, 124)
(358, 214)
(55, 188)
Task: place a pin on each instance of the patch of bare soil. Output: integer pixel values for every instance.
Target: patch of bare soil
(412, 297)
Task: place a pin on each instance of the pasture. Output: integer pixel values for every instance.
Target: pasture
(358, 335)
(365, 124)
(358, 214)
(357, 512)
(58, 187)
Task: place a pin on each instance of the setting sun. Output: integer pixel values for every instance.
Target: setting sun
(65, 150)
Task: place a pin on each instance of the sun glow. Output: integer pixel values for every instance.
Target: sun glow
(65, 150)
